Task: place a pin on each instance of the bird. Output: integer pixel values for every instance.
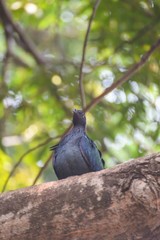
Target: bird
(76, 153)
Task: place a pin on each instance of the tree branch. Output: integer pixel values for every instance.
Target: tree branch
(118, 203)
(82, 93)
(125, 77)
(10, 27)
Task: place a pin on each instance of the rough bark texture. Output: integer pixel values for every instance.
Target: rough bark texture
(122, 203)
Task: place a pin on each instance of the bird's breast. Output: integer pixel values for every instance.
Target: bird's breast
(69, 160)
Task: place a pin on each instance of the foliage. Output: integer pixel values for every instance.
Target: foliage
(37, 96)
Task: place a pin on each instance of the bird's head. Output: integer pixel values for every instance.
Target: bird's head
(79, 118)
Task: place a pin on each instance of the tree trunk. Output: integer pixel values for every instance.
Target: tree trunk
(122, 203)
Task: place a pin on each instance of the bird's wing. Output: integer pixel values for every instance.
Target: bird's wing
(54, 147)
(91, 154)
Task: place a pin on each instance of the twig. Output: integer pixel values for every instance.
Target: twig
(42, 169)
(125, 77)
(21, 159)
(82, 93)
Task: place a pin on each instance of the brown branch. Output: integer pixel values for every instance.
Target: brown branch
(10, 26)
(21, 159)
(82, 93)
(125, 77)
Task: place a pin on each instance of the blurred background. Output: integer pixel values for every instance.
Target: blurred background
(41, 46)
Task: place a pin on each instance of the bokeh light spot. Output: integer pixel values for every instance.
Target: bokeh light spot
(56, 80)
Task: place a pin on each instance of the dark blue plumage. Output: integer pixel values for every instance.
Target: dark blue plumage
(76, 153)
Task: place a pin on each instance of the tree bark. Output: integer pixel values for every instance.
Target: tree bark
(122, 203)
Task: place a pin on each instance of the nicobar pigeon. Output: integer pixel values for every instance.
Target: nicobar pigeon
(76, 153)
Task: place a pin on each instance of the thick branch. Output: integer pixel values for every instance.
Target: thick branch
(119, 203)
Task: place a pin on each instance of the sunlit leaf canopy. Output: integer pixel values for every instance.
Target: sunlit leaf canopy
(37, 99)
